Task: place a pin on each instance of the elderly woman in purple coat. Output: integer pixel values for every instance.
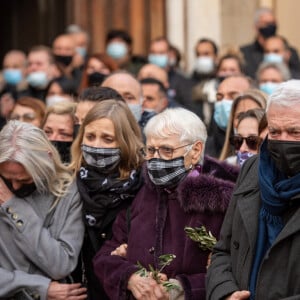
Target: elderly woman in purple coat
(182, 189)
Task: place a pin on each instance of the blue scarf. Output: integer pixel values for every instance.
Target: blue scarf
(276, 192)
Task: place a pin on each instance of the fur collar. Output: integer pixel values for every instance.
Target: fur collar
(209, 189)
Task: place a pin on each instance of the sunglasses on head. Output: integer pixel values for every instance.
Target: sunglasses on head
(252, 141)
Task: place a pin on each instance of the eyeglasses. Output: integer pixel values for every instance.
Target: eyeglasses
(252, 141)
(163, 151)
(28, 117)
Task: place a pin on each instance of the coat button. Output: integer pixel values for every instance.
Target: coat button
(151, 250)
(9, 210)
(236, 245)
(103, 235)
(20, 223)
(14, 216)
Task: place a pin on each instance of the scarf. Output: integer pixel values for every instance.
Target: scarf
(277, 192)
(102, 194)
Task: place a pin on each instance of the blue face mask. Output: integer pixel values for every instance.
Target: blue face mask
(12, 76)
(116, 50)
(161, 60)
(268, 87)
(136, 110)
(273, 58)
(81, 51)
(222, 112)
(38, 79)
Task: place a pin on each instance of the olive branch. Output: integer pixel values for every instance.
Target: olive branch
(204, 238)
(164, 260)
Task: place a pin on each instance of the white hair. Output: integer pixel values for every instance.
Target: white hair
(280, 67)
(177, 121)
(29, 146)
(287, 94)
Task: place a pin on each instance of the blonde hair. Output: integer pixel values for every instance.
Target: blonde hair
(61, 108)
(29, 146)
(127, 132)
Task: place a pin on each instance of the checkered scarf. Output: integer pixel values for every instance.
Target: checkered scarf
(166, 173)
(103, 158)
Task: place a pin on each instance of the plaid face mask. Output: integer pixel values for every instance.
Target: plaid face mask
(166, 173)
(101, 158)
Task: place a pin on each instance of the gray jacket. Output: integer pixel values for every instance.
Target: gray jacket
(33, 252)
(279, 273)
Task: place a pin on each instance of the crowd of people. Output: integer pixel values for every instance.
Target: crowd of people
(108, 160)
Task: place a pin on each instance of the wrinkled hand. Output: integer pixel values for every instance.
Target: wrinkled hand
(5, 193)
(239, 295)
(120, 251)
(146, 288)
(62, 291)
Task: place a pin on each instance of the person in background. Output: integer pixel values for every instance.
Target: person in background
(250, 99)
(41, 218)
(119, 48)
(175, 58)
(61, 89)
(40, 71)
(269, 75)
(82, 40)
(182, 188)
(98, 66)
(58, 125)
(90, 97)
(155, 95)
(206, 51)
(260, 233)
(29, 110)
(265, 26)
(106, 160)
(204, 93)
(246, 140)
(64, 52)
(179, 85)
(129, 88)
(276, 50)
(228, 89)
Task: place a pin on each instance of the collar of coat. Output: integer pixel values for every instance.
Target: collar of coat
(209, 191)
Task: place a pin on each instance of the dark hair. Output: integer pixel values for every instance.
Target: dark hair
(97, 94)
(67, 85)
(237, 57)
(177, 54)
(151, 80)
(256, 113)
(206, 40)
(118, 33)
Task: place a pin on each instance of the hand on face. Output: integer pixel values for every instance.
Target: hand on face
(5, 193)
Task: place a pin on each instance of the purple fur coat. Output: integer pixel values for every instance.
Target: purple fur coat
(157, 221)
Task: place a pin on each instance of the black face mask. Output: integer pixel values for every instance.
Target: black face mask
(96, 78)
(268, 30)
(286, 155)
(64, 150)
(24, 191)
(64, 59)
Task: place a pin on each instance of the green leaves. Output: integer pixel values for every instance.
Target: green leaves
(164, 260)
(204, 238)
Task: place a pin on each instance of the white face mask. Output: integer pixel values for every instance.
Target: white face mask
(204, 64)
(136, 110)
(51, 100)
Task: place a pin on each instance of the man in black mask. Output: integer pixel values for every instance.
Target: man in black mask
(64, 50)
(257, 256)
(265, 27)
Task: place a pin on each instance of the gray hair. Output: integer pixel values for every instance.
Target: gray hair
(29, 146)
(177, 121)
(261, 11)
(287, 94)
(280, 67)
